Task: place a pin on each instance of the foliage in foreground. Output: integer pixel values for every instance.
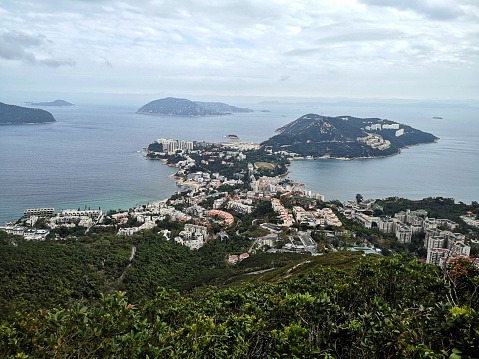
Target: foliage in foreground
(391, 308)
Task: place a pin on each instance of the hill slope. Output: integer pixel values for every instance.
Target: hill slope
(222, 107)
(345, 137)
(384, 308)
(12, 115)
(171, 106)
(56, 103)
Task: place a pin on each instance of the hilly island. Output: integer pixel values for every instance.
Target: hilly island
(171, 106)
(56, 103)
(14, 115)
(345, 137)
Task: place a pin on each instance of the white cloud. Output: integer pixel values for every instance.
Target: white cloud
(18, 45)
(276, 47)
(433, 9)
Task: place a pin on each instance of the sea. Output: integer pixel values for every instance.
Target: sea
(93, 156)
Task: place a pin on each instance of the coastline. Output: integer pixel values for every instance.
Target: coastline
(180, 182)
(312, 158)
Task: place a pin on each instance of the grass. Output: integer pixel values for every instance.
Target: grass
(293, 265)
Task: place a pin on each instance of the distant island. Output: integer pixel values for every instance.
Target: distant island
(345, 137)
(232, 137)
(14, 115)
(171, 106)
(56, 103)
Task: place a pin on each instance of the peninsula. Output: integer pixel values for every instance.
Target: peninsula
(242, 262)
(14, 115)
(171, 106)
(345, 137)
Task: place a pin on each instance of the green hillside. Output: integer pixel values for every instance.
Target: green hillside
(14, 115)
(345, 137)
(339, 305)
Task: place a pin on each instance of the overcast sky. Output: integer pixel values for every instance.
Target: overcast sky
(425, 49)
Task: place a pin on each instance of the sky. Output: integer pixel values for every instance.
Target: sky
(407, 49)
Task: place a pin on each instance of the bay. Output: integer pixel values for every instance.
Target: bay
(91, 157)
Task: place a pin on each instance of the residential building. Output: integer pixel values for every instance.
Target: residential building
(403, 232)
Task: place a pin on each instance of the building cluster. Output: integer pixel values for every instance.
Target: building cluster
(68, 218)
(441, 245)
(301, 242)
(470, 219)
(30, 234)
(171, 146)
(235, 258)
(375, 141)
(73, 217)
(225, 217)
(306, 213)
(241, 206)
(39, 212)
(385, 126)
(193, 236)
(409, 223)
(284, 216)
(380, 126)
(241, 146)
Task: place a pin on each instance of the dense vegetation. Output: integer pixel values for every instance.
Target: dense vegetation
(378, 308)
(182, 107)
(10, 114)
(436, 207)
(43, 274)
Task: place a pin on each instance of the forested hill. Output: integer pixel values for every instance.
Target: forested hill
(171, 106)
(56, 103)
(309, 308)
(12, 115)
(345, 137)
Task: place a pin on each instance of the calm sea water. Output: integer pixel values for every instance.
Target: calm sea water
(91, 157)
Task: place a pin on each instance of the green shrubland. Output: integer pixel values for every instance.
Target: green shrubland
(375, 307)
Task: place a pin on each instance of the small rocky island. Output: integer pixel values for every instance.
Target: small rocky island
(56, 103)
(171, 106)
(345, 137)
(15, 115)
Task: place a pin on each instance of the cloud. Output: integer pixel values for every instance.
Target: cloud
(18, 45)
(433, 9)
(14, 44)
(363, 36)
(51, 62)
(239, 46)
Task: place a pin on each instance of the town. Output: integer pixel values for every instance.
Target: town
(238, 187)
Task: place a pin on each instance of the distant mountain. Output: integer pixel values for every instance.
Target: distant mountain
(345, 137)
(171, 106)
(12, 115)
(222, 107)
(56, 103)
